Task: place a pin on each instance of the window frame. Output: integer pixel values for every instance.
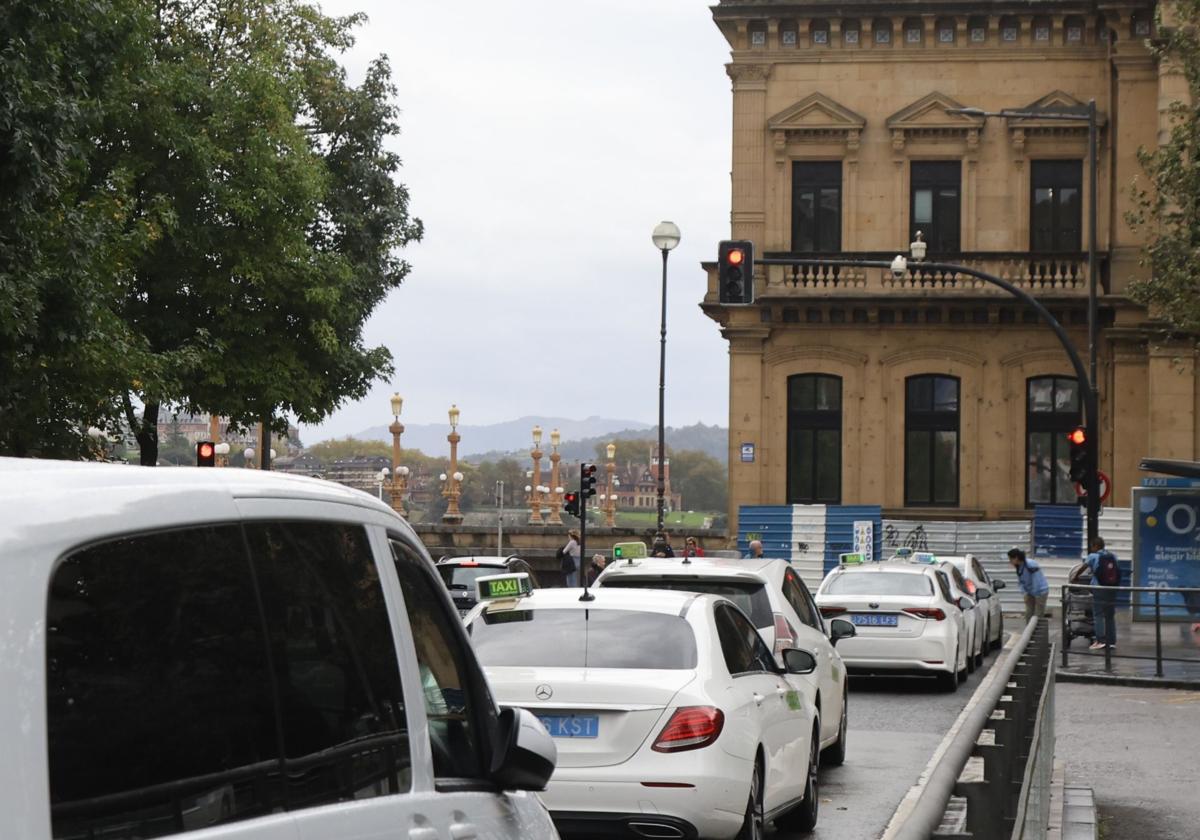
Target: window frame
(1052, 177)
(932, 422)
(799, 591)
(1055, 423)
(816, 177)
(936, 176)
(728, 612)
(810, 422)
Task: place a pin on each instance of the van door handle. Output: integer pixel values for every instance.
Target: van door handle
(424, 832)
(462, 831)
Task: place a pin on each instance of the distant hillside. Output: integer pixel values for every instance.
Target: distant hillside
(711, 440)
(479, 442)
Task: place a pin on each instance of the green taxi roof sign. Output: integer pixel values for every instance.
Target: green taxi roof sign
(503, 587)
(629, 551)
(852, 558)
(924, 557)
(903, 551)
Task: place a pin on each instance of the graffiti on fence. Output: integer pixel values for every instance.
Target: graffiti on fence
(915, 538)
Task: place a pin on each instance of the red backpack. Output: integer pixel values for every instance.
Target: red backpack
(1108, 573)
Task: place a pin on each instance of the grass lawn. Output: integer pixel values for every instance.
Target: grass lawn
(677, 519)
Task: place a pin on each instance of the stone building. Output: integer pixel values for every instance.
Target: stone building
(935, 395)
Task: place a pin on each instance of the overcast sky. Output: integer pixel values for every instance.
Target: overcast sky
(542, 142)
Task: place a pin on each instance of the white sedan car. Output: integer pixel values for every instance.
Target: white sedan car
(775, 598)
(906, 616)
(985, 590)
(671, 716)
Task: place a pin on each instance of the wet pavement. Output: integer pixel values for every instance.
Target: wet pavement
(1138, 645)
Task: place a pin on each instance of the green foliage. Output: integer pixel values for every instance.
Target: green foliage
(701, 479)
(337, 449)
(1168, 213)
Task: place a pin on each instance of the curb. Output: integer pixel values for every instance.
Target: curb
(1117, 679)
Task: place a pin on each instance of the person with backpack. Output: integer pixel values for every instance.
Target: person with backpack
(568, 559)
(1032, 581)
(1105, 572)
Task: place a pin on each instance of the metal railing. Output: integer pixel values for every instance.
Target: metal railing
(1139, 601)
(992, 780)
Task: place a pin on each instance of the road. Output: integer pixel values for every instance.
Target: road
(895, 725)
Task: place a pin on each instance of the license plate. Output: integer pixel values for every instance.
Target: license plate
(873, 620)
(571, 726)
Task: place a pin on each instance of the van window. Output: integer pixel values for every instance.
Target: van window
(750, 595)
(797, 595)
(189, 687)
(158, 692)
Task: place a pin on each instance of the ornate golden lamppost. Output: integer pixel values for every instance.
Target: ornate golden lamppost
(452, 490)
(399, 473)
(556, 490)
(610, 500)
(535, 491)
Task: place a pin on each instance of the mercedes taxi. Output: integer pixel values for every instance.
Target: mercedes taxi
(671, 715)
(777, 601)
(907, 619)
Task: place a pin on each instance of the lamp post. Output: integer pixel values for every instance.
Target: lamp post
(556, 494)
(453, 516)
(610, 468)
(399, 473)
(1087, 114)
(665, 238)
(222, 450)
(380, 480)
(535, 499)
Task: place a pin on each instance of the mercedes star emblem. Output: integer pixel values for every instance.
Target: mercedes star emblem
(543, 692)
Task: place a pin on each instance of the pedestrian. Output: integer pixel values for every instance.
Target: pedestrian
(569, 559)
(755, 552)
(1033, 583)
(595, 568)
(662, 548)
(1105, 573)
(691, 548)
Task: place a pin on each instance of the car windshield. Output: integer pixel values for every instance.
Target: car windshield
(880, 583)
(583, 638)
(750, 596)
(460, 578)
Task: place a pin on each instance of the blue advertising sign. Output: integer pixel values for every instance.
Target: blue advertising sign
(747, 453)
(1166, 549)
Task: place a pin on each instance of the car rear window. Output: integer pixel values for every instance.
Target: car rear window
(750, 596)
(579, 638)
(880, 583)
(461, 578)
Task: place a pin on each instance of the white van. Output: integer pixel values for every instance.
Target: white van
(230, 653)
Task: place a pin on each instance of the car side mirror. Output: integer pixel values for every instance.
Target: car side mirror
(840, 629)
(965, 603)
(797, 661)
(998, 584)
(982, 593)
(527, 756)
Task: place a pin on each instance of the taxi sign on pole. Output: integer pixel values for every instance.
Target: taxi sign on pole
(503, 587)
(852, 559)
(924, 557)
(629, 551)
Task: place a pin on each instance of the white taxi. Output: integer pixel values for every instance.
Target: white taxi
(907, 620)
(985, 590)
(671, 716)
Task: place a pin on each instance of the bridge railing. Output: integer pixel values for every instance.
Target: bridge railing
(990, 779)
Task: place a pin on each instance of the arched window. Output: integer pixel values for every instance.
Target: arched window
(819, 33)
(931, 424)
(814, 440)
(1041, 30)
(1010, 30)
(1140, 24)
(978, 30)
(882, 29)
(851, 32)
(788, 34)
(1051, 410)
(914, 31)
(758, 35)
(946, 30)
(1073, 30)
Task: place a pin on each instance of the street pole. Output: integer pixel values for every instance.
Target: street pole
(1093, 412)
(500, 520)
(662, 385)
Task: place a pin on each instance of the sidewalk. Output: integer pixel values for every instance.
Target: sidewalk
(1134, 639)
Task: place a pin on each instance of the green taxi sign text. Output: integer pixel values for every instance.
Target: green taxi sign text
(852, 559)
(629, 550)
(501, 587)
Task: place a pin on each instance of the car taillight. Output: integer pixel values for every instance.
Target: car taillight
(689, 728)
(830, 612)
(785, 636)
(927, 612)
(971, 587)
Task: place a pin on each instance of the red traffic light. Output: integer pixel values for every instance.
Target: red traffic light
(1077, 436)
(735, 256)
(206, 454)
(206, 450)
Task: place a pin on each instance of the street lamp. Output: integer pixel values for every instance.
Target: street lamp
(609, 497)
(380, 478)
(453, 516)
(399, 474)
(1086, 114)
(556, 497)
(535, 500)
(665, 238)
(222, 450)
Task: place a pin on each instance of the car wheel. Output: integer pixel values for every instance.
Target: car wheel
(835, 755)
(803, 818)
(970, 669)
(948, 680)
(753, 827)
(999, 643)
(981, 648)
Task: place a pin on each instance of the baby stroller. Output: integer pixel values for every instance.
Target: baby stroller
(1078, 609)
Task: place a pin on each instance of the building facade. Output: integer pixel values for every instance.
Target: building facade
(931, 394)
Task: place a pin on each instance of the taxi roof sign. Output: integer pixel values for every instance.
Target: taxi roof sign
(855, 558)
(508, 587)
(903, 551)
(629, 551)
(924, 557)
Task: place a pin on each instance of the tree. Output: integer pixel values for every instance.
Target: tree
(1169, 212)
(700, 479)
(348, 447)
(276, 217)
(64, 226)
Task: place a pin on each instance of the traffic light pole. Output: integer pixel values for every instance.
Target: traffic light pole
(1090, 402)
(583, 561)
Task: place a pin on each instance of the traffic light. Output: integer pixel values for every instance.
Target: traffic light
(1080, 462)
(571, 503)
(206, 454)
(735, 273)
(587, 479)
